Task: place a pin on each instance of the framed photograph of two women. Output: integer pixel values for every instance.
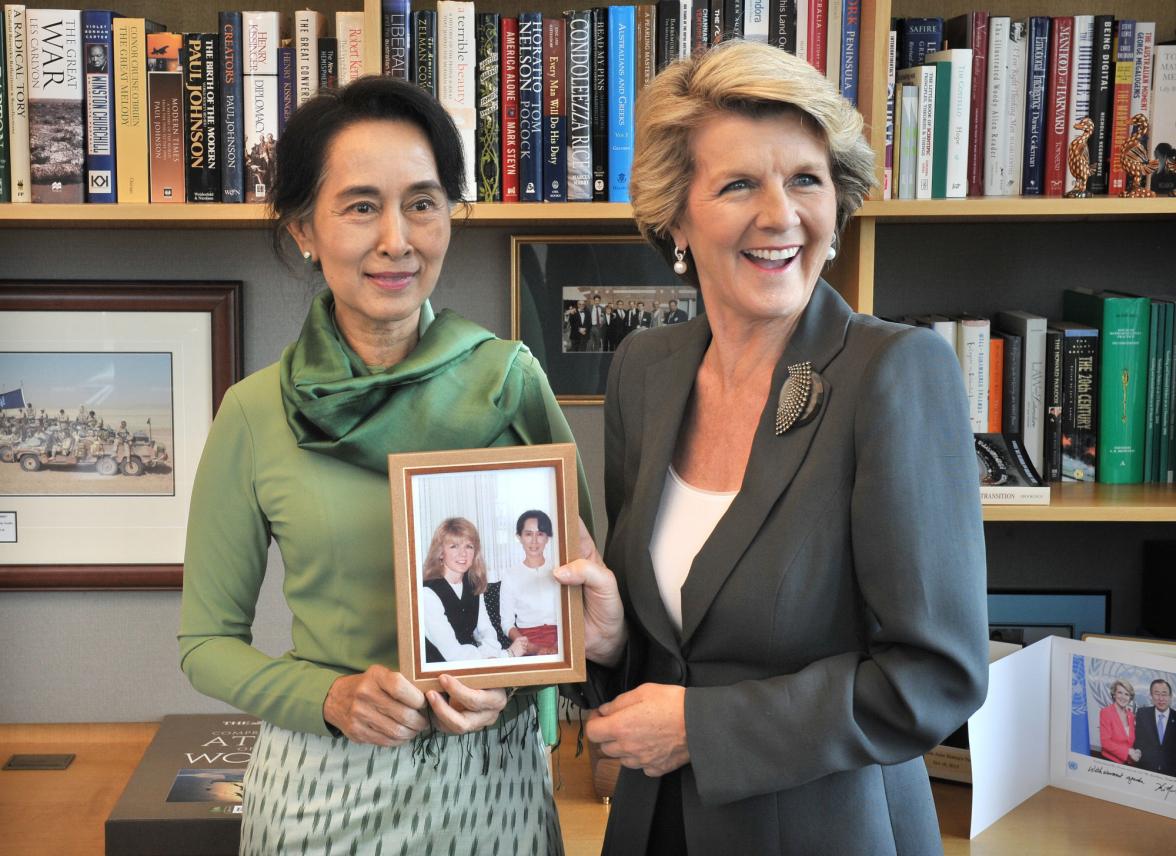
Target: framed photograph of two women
(476, 535)
(574, 299)
(107, 393)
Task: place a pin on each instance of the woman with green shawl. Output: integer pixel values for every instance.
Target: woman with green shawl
(352, 758)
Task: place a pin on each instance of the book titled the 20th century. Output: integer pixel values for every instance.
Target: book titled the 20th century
(185, 795)
(1007, 476)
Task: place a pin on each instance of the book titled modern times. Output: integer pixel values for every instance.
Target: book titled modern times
(186, 794)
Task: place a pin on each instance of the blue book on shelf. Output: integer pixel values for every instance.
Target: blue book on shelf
(918, 37)
(621, 71)
(232, 93)
(98, 50)
(394, 37)
(1033, 164)
(851, 32)
(530, 107)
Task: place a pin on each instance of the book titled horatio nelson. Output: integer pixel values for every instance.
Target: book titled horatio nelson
(185, 796)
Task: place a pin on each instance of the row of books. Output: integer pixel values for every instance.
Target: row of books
(1090, 397)
(988, 105)
(543, 104)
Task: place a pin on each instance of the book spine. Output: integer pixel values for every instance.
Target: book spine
(1080, 405)
(349, 32)
(941, 156)
(918, 37)
(510, 109)
(424, 50)
(263, 33)
(833, 21)
(130, 116)
(958, 117)
(1124, 80)
(1018, 77)
(927, 80)
(645, 48)
(620, 106)
(1167, 412)
(1102, 64)
(232, 95)
(716, 27)
(489, 132)
(1141, 83)
(732, 19)
(1031, 329)
(287, 87)
(5, 166)
(1155, 371)
(309, 27)
(530, 107)
(1033, 172)
(328, 65)
(56, 113)
(851, 33)
(165, 87)
(995, 384)
(976, 106)
(667, 31)
(98, 49)
(17, 64)
(755, 20)
(907, 161)
(700, 21)
(261, 134)
(888, 189)
(394, 30)
(817, 47)
(782, 25)
(997, 106)
(973, 352)
(201, 139)
(1052, 442)
(685, 45)
(1061, 49)
(1013, 382)
(555, 111)
(456, 85)
(599, 103)
(1080, 68)
(579, 25)
(802, 17)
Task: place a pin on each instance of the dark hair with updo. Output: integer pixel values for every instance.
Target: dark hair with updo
(542, 522)
(302, 148)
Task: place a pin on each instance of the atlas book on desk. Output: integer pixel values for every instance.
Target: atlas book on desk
(185, 796)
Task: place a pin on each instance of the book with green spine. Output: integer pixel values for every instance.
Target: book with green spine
(1123, 322)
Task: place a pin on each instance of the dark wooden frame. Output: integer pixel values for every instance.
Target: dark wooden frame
(221, 300)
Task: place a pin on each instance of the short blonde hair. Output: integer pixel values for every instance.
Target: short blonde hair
(1125, 684)
(747, 78)
(456, 527)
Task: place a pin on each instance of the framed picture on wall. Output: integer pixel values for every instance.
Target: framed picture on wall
(574, 299)
(1025, 617)
(107, 393)
(477, 534)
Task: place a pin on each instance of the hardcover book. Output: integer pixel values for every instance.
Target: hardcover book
(1122, 82)
(456, 83)
(424, 49)
(620, 101)
(1007, 476)
(185, 796)
(645, 49)
(781, 24)
(972, 335)
(1010, 407)
(1052, 445)
(328, 66)
(1163, 124)
(56, 115)
(232, 94)
(1079, 400)
(98, 48)
(510, 109)
(995, 384)
(668, 35)
(1123, 323)
(202, 140)
(953, 94)
(262, 37)
(555, 111)
(16, 60)
(165, 90)
(5, 170)
(1033, 156)
(579, 26)
(1079, 100)
(530, 107)
(851, 34)
(489, 132)
(918, 37)
(1031, 329)
(755, 21)
(1101, 82)
(1061, 52)
(349, 32)
(394, 32)
(287, 86)
(924, 79)
(309, 27)
(971, 31)
(599, 103)
(131, 110)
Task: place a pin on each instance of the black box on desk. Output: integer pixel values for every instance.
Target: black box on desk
(184, 798)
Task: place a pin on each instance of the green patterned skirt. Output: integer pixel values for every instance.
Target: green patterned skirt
(487, 793)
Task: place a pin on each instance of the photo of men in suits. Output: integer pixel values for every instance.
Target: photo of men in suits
(674, 315)
(578, 323)
(1153, 731)
(596, 320)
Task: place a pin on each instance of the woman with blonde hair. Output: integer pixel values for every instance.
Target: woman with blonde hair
(795, 610)
(457, 626)
(1116, 725)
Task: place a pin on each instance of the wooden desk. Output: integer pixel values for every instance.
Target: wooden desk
(61, 813)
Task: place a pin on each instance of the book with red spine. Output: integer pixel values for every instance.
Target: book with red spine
(510, 109)
(1061, 60)
(995, 384)
(817, 49)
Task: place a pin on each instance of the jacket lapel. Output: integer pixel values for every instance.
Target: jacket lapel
(773, 462)
(668, 384)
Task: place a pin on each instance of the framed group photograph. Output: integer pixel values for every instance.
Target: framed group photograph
(574, 299)
(476, 534)
(107, 393)
(1025, 617)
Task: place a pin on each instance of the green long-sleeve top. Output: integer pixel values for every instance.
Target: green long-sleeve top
(332, 522)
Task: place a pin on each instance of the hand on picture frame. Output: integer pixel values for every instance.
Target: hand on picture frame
(462, 709)
(604, 615)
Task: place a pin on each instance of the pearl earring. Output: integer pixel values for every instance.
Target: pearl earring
(831, 253)
(306, 255)
(679, 261)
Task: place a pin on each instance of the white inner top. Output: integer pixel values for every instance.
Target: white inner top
(685, 519)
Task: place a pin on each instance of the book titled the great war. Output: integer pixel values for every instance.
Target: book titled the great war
(185, 796)
(309, 27)
(230, 119)
(202, 141)
(56, 114)
(165, 91)
(555, 111)
(16, 60)
(98, 48)
(489, 133)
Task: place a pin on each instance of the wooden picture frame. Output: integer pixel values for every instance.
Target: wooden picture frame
(550, 272)
(84, 524)
(491, 490)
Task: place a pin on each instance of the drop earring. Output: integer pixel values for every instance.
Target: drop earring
(679, 261)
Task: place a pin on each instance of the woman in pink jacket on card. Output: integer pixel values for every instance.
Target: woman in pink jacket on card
(1116, 725)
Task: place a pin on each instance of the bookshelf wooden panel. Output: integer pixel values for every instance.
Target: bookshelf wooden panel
(1095, 503)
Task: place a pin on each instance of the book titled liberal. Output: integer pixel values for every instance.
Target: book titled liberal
(186, 794)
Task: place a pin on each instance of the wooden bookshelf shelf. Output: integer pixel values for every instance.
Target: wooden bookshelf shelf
(1094, 503)
(1016, 208)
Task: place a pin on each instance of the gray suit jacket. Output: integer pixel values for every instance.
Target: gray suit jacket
(834, 624)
